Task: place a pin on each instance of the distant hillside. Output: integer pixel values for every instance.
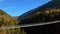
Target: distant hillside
(49, 5)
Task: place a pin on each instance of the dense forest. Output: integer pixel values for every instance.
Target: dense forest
(43, 16)
(6, 21)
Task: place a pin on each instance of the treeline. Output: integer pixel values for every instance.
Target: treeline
(45, 16)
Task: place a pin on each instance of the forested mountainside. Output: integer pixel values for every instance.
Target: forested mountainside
(6, 21)
(45, 16)
(45, 13)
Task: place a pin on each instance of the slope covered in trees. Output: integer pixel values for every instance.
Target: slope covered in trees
(6, 21)
(44, 16)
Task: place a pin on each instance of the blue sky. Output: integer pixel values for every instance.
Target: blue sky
(18, 7)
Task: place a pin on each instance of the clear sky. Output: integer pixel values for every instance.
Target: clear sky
(18, 7)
